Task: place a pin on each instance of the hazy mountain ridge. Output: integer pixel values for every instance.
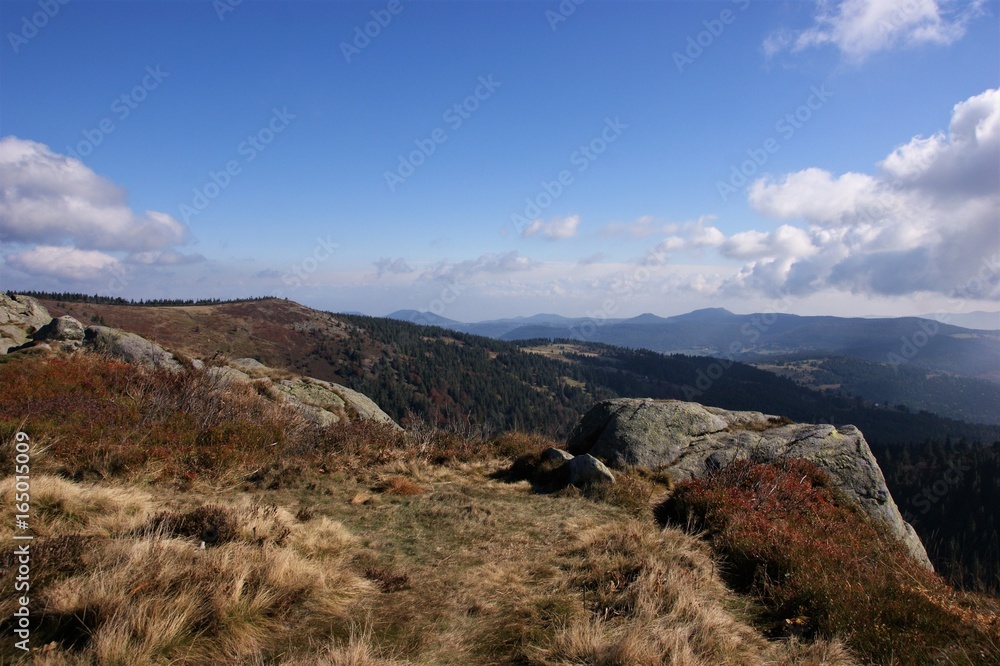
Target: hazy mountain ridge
(758, 337)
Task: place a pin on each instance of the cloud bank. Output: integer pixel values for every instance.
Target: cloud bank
(69, 223)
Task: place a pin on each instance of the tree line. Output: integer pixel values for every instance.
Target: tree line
(96, 299)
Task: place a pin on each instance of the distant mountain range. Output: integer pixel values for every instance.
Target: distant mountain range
(761, 337)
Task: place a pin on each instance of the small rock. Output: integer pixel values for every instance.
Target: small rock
(588, 469)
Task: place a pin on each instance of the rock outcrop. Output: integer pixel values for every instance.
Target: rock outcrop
(687, 440)
(20, 318)
(323, 402)
(130, 348)
(329, 403)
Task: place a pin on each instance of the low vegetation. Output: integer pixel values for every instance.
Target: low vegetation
(820, 568)
(183, 520)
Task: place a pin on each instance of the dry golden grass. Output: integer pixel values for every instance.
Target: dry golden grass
(60, 507)
(654, 598)
(116, 582)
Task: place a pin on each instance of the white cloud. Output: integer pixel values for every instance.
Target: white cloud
(558, 228)
(595, 258)
(859, 28)
(50, 198)
(926, 221)
(63, 262)
(75, 217)
(641, 227)
(692, 235)
(963, 162)
(812, 193)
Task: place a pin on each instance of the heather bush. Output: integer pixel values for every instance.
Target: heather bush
(821, 567)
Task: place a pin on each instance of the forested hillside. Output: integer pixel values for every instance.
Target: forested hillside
(905, 386)
(950, 492)
(445, 375)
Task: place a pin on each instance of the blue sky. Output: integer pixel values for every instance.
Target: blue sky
(486, 159)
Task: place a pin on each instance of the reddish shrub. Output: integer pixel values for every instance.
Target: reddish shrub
(820, 565)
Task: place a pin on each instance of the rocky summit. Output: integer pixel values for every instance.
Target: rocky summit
(27, 327)
(687, 440)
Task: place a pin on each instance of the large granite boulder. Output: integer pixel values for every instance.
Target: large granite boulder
(687, 440)
(20, 318)
(130, 348)
(325, 403)
(329, 403)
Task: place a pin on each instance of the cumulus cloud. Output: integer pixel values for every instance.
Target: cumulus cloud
(75, 217)
(859, 28)
(65, 263)
(558, 228)
(692, 235)
(962, 162)
(925, 221)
